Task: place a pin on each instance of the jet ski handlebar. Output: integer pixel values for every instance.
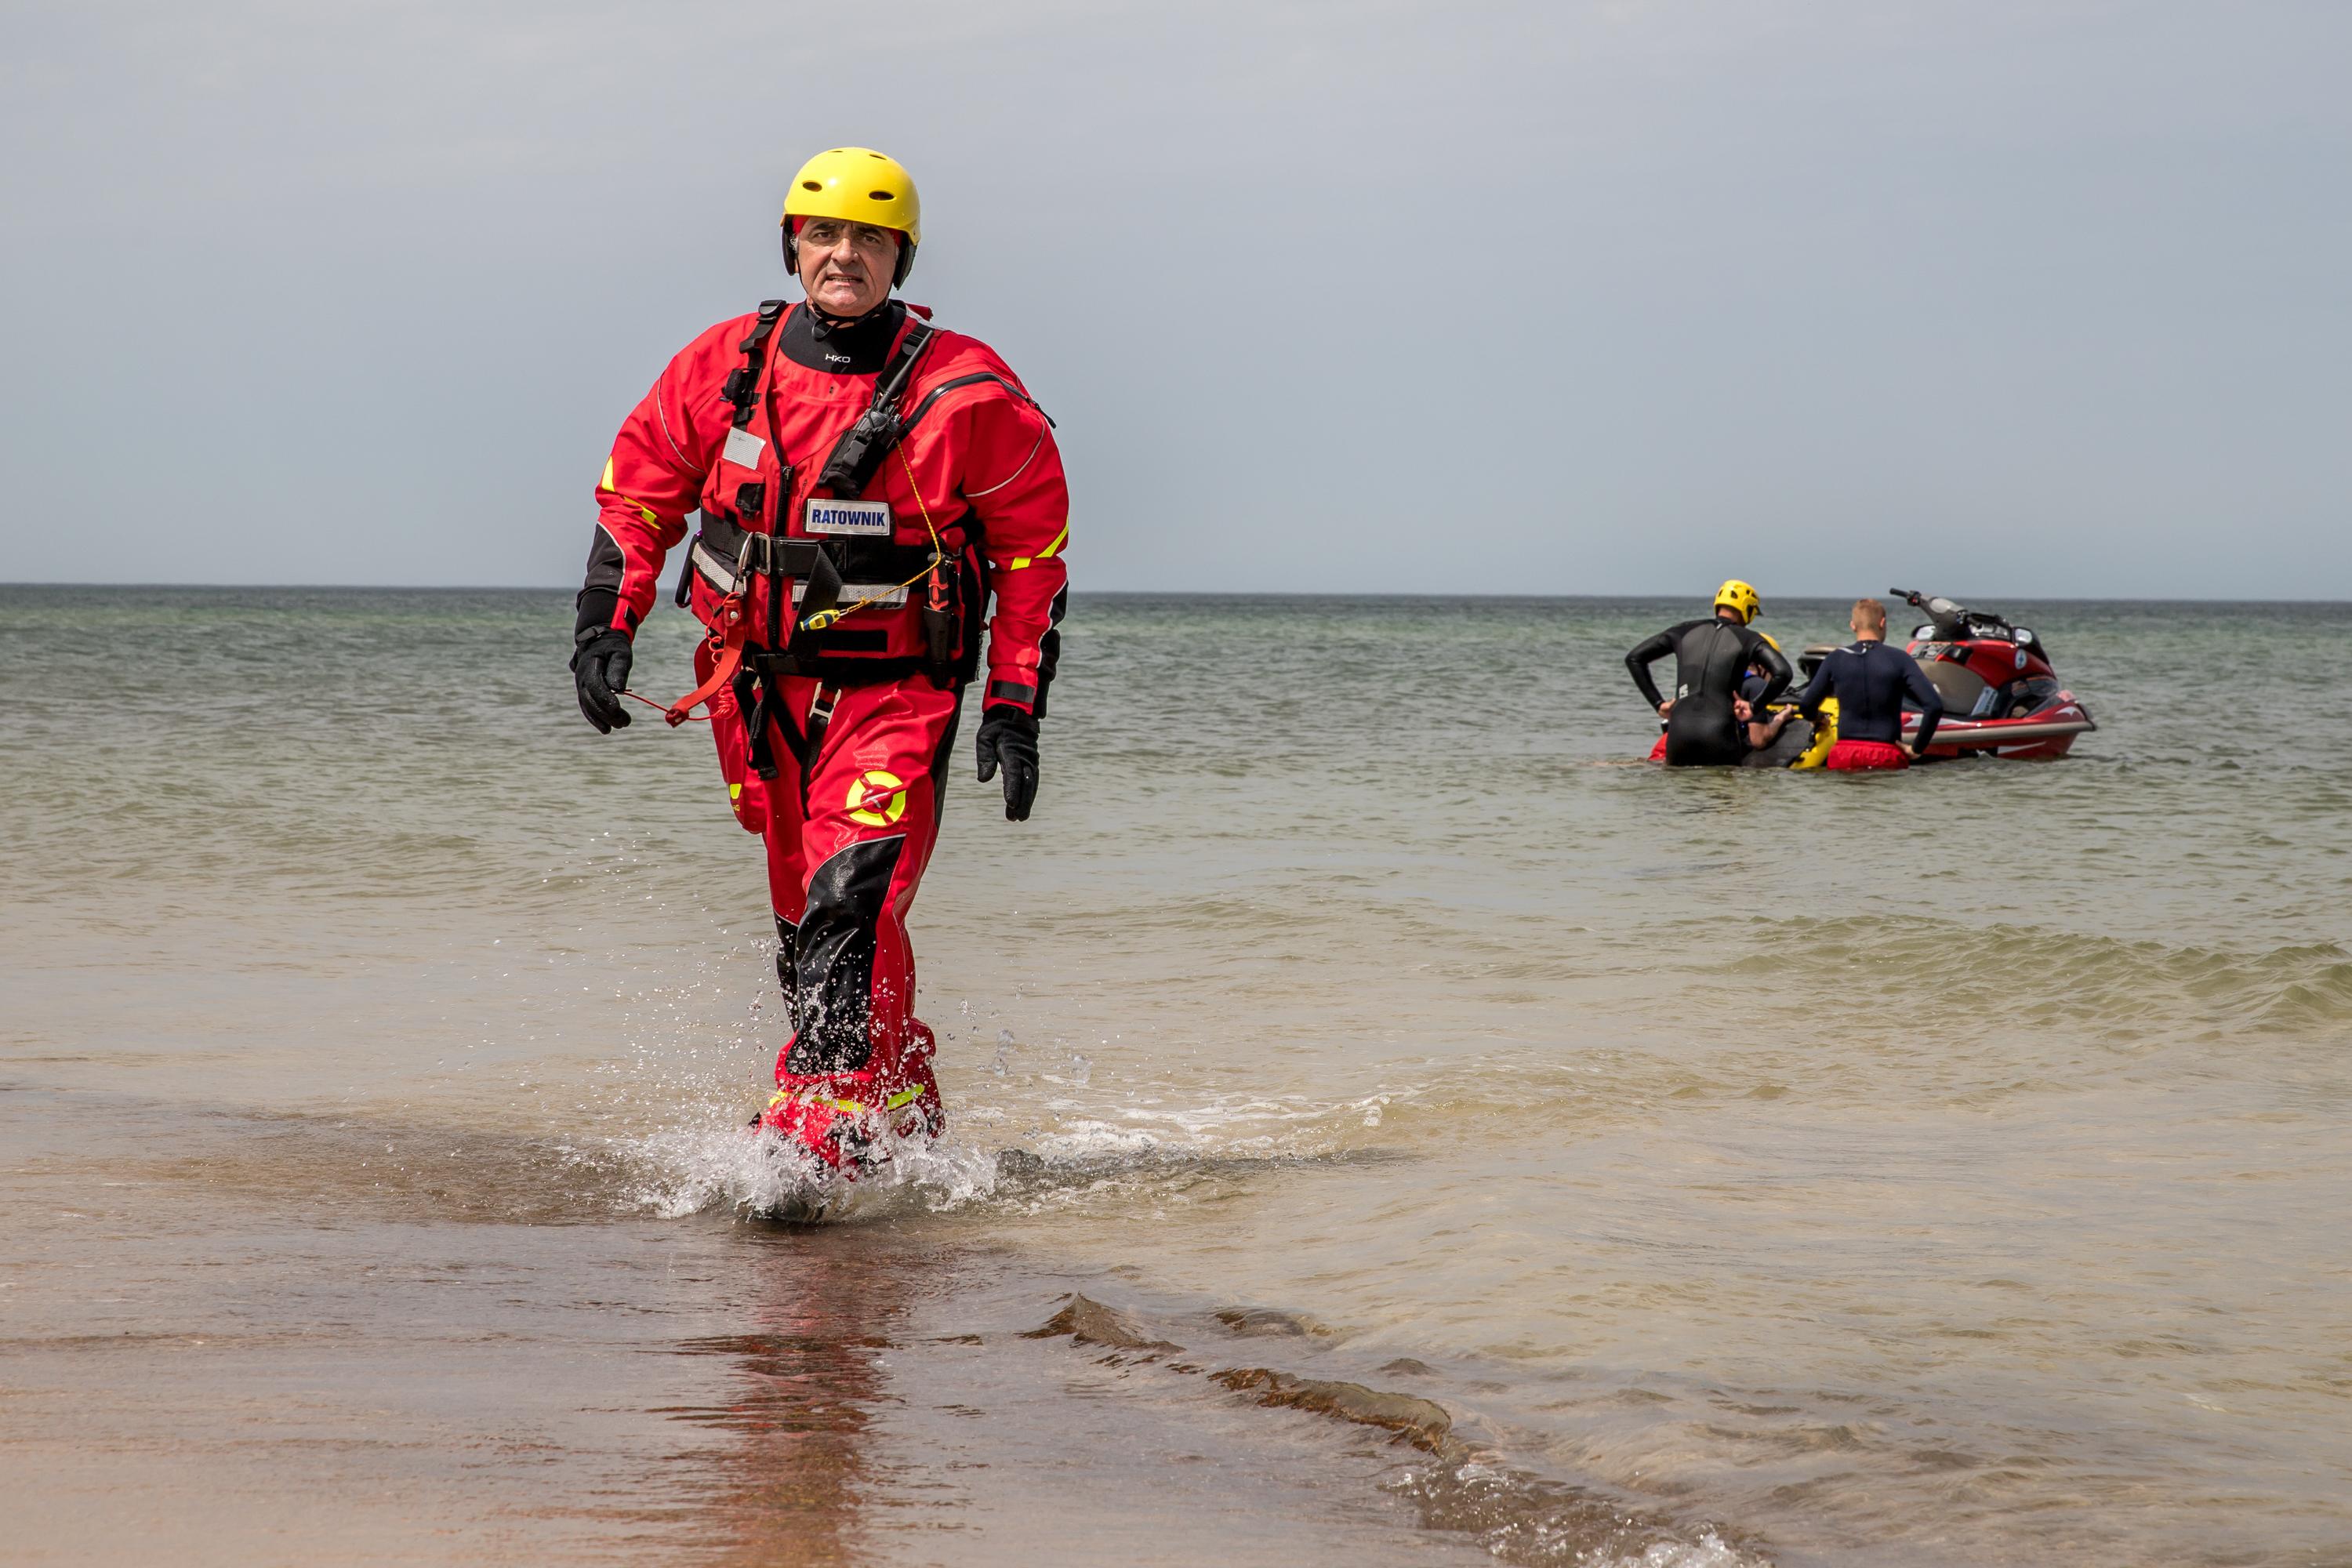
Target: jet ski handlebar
(1954, 620)
(1951, 619)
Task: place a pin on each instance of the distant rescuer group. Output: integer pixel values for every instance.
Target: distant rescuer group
(1728, 678)
(875, 491)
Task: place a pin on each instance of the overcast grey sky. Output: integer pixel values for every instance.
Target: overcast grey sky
(1993, 297)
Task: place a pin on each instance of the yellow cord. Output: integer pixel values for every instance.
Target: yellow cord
(825, 619)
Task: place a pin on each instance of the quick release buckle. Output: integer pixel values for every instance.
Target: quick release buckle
(743, 562)
(764, 555)
(756, 557)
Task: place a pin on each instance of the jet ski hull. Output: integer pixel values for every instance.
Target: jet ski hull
(2029, 737)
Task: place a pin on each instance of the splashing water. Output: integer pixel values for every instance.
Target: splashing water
(758, 1174)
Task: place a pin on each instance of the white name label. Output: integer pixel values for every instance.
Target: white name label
(888, 595)
(742, 447)
(871, 518)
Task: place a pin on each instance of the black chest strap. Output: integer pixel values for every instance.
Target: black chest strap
(857, 456)
(742, 388)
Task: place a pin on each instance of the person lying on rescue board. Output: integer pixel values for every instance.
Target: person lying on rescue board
(1764, 722)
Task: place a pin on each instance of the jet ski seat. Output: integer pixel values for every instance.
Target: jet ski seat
(1961, 689)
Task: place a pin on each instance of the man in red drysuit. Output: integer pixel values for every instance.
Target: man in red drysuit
(867, 482)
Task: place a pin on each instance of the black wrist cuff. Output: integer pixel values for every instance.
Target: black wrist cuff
(1005, 714)
(597, 606)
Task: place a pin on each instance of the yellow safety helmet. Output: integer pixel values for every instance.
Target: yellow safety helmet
(857, 184)
(1767, 637)
(1739, 596)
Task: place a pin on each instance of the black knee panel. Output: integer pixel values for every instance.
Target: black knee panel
(784, 976)
(832, 957)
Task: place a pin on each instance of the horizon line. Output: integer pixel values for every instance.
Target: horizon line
(1184, 592)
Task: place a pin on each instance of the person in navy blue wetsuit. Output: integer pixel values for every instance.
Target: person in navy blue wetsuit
(1869, 680)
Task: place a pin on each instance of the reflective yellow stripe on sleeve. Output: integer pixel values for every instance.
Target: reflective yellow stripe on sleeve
(643, 510)
(1047, 554)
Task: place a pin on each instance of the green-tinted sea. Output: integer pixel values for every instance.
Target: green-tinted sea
(1938, 1169)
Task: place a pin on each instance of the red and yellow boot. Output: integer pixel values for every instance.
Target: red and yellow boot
(849, 1121)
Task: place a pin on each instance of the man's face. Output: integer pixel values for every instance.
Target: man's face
(847, 267)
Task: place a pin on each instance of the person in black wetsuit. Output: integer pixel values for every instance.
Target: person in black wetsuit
(1869, 680)
(1702, 727)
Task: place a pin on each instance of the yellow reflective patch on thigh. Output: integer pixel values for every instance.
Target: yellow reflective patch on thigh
(876, 799)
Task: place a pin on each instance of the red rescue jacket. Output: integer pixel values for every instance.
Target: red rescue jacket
(977, 465)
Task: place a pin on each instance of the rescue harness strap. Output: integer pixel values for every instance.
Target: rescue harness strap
(742, 387)
(742, 393)
(973, 379)
(751, 671)
(851, 464)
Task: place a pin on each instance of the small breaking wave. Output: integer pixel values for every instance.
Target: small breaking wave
(1534, 1522)
(2031, 975)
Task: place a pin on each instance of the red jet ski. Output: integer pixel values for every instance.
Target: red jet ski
(2001, 697)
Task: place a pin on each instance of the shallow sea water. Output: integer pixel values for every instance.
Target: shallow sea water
(1946, 1168)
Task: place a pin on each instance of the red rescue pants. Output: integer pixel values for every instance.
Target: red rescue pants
(849, 821)
(1865, 756)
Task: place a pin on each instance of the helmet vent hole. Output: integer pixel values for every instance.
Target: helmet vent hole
(879, 196)
(812, 184)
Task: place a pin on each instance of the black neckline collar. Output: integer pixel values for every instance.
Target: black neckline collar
(838, 347)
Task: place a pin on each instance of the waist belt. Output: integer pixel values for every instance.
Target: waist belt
(731, 557)
(721, 575)
(724, 551)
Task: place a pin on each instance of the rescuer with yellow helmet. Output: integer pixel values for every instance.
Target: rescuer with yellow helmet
(874, 493)
(1741, 600)
(860, 189)
(1704, 724)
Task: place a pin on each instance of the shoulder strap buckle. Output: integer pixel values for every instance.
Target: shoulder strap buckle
(742, 387)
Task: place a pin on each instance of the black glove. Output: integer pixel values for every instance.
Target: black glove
(600, 668)
(1008, 736)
